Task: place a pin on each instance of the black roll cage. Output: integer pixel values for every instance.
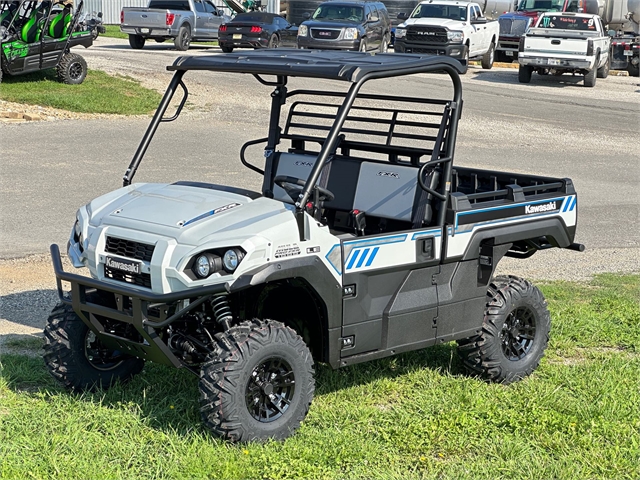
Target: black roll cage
(439, 158)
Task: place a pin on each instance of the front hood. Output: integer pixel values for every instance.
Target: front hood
(434, 22)
(172, 206)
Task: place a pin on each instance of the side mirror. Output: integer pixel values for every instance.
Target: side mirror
(99, 14)
(402, 16)
(306, 15)
(479, 21)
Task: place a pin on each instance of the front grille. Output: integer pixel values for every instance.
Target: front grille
(428, 51)
(427, 35)
(130, 249)
(140, 279)
(325, 33)
(513, 26)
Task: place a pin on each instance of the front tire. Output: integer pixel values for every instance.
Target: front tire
(363, 45)
(465, 59)
(384, 45)
(76, 359)
(488, 57)
(136, 42)
(183, 40)
(258, 383)
(514, 335)
(72, 69)
(524, 73)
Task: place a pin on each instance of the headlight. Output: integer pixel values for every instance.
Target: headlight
(231, 259)
(401, 32)
(455, 37)
(350, 33)
(206, 264)
(302, 31)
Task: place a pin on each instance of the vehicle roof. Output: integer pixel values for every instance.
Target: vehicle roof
(447, 2)
(569, 14)
(259, 16)
(333, 64)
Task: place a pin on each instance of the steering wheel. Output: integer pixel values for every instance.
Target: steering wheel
(285, 182)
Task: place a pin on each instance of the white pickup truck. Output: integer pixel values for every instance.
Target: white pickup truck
(565, 42)
(180, 20)
(456, 29)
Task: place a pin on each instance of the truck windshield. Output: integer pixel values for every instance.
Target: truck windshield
(338, 12)
(170, 4)
(566, 22)
(440, 11)
(541, 6)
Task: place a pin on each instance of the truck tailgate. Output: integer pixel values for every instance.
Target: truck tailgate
(144, 17)
(555, 45)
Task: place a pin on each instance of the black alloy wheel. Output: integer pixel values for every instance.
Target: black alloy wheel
(518, 333)
(72, 69)
(270, 390)
(274, 41)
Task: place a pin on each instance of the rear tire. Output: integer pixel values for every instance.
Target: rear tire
(274, 41)
(183, 40)
(590, 78)
(603, 71)
(257, 384)
(514, 335)
(136, 41)
(79, 361)
(524, 73)
(72, 69)
(488, 57)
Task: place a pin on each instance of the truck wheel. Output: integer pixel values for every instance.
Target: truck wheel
(465, 59)
(603, 71)
(500, 56)
(384, 45)
(72, 69)
(487, 58)
(226, 49)
(136, 41)
(183, 40)
(590, 78)
(514, 335)
(274, 42)
(78, 360)
(363, 45)
(634, 70)
(258, 383)
(524, 73)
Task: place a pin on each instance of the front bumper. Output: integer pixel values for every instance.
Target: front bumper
(313, 43)
(556, 63)
(145, 311)
(455, 50)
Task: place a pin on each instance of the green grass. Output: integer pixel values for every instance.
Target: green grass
(412, 416)
(99, 93)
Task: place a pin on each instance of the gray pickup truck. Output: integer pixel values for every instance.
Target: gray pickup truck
(180, 20)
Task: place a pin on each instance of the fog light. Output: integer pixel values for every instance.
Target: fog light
(205, 265)
(231, 259)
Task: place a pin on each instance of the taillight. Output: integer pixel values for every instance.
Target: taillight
(170, 18)
(255, 29)
(121, 16)
(223, 28)
(521, 44)
(589, 47)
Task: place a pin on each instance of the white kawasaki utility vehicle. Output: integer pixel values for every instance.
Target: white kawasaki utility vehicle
(364, 242)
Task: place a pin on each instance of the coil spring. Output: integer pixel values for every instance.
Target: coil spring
(222, 311)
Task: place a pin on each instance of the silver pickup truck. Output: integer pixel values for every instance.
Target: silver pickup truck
(180, 20)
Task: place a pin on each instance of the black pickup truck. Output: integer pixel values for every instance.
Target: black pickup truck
(365, 241)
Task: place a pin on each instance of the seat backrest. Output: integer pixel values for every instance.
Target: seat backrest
(31, 29)
(59, 25)
(290, 164)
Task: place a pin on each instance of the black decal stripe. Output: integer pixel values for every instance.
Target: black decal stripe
(498, 213)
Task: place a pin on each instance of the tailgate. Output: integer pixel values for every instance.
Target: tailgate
(555, 45)
(145, 17)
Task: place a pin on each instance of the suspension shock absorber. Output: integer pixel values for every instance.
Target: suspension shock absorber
(222, 311)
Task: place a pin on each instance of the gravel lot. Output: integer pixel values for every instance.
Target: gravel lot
(28, 285)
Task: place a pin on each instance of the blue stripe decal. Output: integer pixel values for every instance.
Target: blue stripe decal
(566, 204)
(377, 241)
(354, 256)
(362, 257)
(372, 256)
(435, 233)
(199, 217)
(573, 204)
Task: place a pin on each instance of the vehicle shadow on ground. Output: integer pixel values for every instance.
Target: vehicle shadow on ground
(166, 398)
(23, 312)
(555, 81)
(164, 47)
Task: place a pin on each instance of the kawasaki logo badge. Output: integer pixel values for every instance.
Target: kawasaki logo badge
(122, 265)
(545, 207)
